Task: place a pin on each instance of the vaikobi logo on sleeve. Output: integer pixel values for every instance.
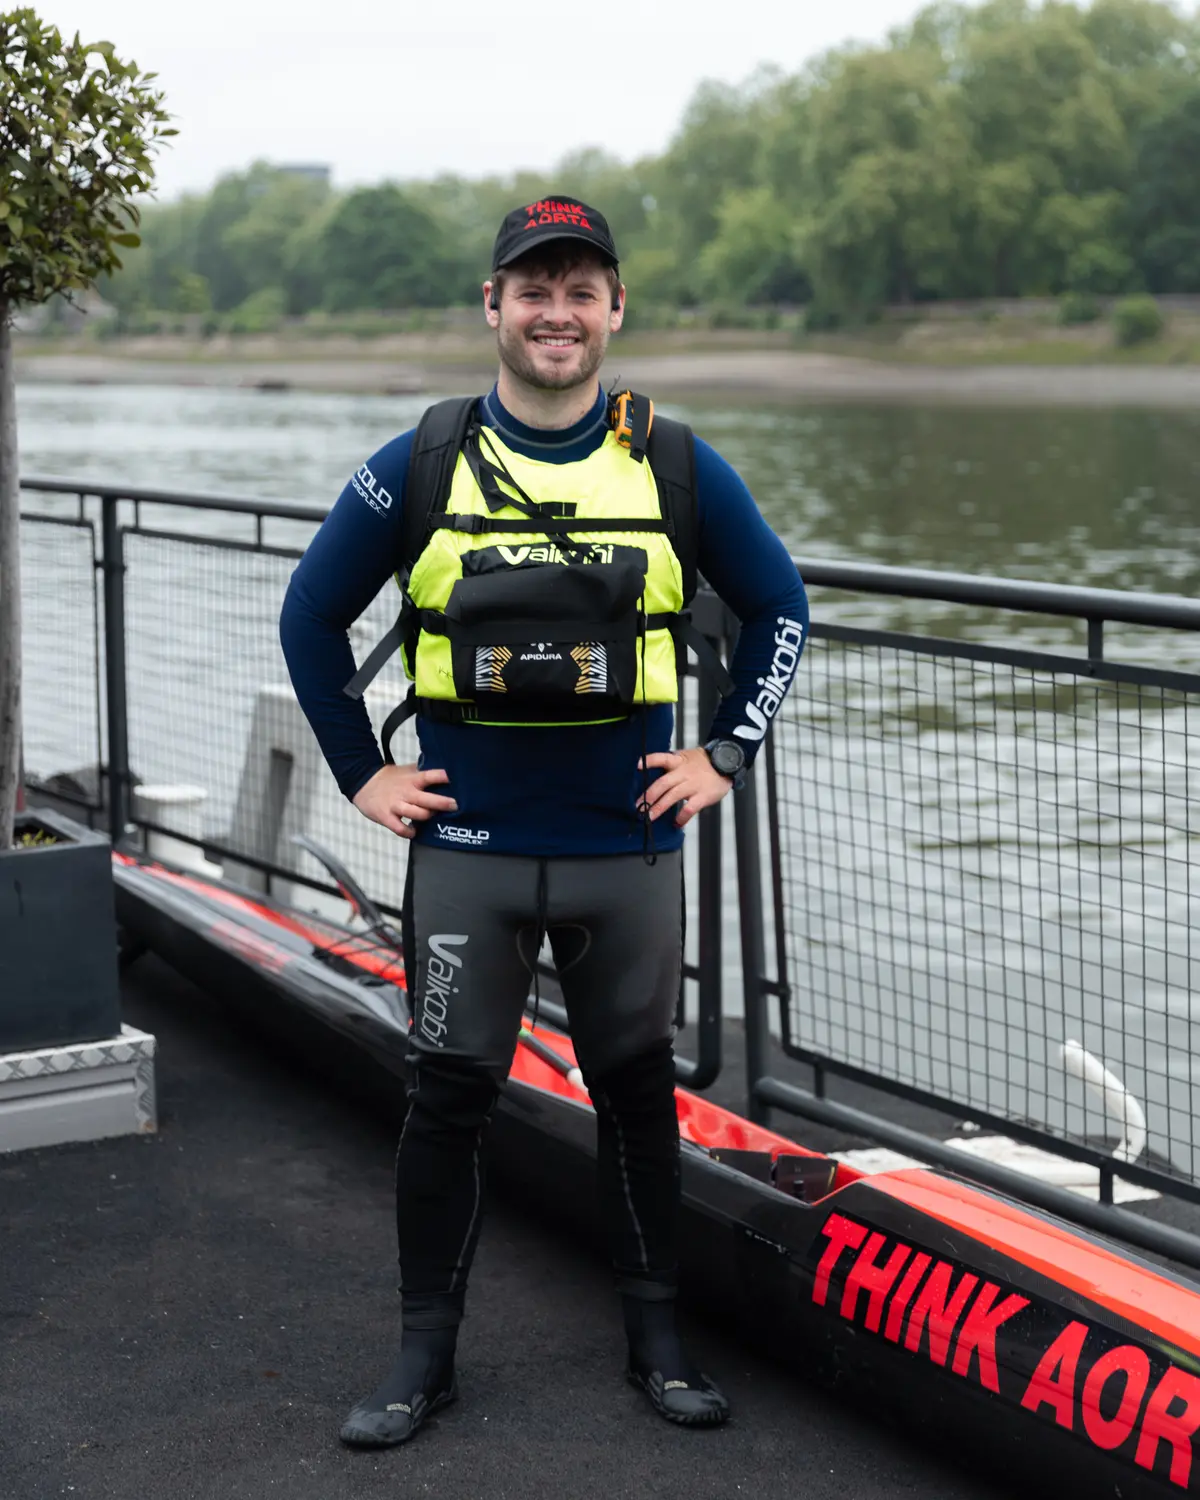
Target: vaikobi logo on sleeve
(369, 489)
(789, 642)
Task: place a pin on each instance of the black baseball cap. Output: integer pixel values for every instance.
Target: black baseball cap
(554, 217)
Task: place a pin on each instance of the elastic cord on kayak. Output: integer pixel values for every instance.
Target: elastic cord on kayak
(539, 936)
(649, 852)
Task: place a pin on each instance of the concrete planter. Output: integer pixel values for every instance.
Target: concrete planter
(58, 942)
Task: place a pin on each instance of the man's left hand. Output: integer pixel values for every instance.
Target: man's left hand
(688, 778)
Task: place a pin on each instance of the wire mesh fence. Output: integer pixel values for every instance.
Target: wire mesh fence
(983, 855)
(982, 862)
(214, 730)
(212, 712)
(219, 751)
(61, 652)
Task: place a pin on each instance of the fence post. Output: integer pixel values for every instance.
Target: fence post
(754, 995)
(112, 565)
(704, 1071)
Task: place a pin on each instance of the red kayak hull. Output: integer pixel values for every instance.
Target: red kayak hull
(993, 1328)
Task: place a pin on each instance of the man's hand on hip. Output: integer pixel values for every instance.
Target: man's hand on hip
(398, 792)
(688, 777)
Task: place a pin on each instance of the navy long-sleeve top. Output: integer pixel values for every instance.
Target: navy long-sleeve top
(566, 790)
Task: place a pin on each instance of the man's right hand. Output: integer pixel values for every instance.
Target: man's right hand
(398, 792)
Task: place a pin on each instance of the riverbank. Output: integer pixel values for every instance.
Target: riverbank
(1016, 353)
(777, 374)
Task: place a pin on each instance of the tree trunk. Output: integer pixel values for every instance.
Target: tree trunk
(10, 586)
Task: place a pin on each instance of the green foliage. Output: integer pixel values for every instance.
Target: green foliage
(381, 249)
(1171, 259)
(820, 317)
(1100, 266)
(754, 254)
(886, 159)
(734, 315)
(77, 132)
(1164, 204)
(1137, 320)
(34, 838)
(261, 312)
(78, 129)
(716, 151)
(651, 275)
(256, 244)
(984, 151)
(1077, 307)
(191, 293)
(643, 317)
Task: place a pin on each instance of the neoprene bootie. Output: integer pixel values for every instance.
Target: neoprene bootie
(659, 1365)
(419, 1383)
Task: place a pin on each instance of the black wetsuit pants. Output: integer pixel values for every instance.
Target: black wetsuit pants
(472, 926)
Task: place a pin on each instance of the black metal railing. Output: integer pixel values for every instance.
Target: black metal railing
(195, 700)
(963, 848)
(979, 857)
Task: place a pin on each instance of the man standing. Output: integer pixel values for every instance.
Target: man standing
(553, 539)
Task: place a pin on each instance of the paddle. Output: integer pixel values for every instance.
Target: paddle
(553, 1059)
(362, 906)
(360, 903)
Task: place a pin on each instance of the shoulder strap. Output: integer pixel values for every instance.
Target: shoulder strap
(434, 454)
(431, 462)
(671, 449)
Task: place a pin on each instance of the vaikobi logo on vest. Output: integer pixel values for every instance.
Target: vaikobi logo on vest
(597, 552)
(789, 642)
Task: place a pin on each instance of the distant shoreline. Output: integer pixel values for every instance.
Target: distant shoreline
(772, 374)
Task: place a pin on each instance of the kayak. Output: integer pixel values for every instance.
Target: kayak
(992, 1328)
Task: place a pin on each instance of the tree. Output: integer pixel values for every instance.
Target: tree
(1147, 52)
(149, 279)
(998, 148)
(254, 249)
(1164, 207)
(77, 128)
(751, 258)
(715, 152)
(887, 174)
(380, 249)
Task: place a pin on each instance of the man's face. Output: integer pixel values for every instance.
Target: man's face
(553, 331)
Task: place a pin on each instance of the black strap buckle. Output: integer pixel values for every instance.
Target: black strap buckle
(472, 524)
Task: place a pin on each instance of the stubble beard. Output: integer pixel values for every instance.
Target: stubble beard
(516, 357)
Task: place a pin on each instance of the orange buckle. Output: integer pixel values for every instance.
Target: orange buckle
(623, 419)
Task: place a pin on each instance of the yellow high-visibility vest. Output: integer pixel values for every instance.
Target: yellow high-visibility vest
(607, 485)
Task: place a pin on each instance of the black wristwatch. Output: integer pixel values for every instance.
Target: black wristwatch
(729, 759)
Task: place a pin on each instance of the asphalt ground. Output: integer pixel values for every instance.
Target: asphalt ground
(188, 1316)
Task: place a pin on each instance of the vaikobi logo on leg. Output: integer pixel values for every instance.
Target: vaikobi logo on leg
(441, 970)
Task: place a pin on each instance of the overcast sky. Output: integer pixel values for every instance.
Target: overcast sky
(384, 88)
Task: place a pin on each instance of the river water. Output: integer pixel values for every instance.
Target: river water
(980, 862)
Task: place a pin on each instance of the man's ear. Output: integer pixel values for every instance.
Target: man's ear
(491, 304)
(617, 316)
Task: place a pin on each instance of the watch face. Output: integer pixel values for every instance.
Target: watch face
(726, 758)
